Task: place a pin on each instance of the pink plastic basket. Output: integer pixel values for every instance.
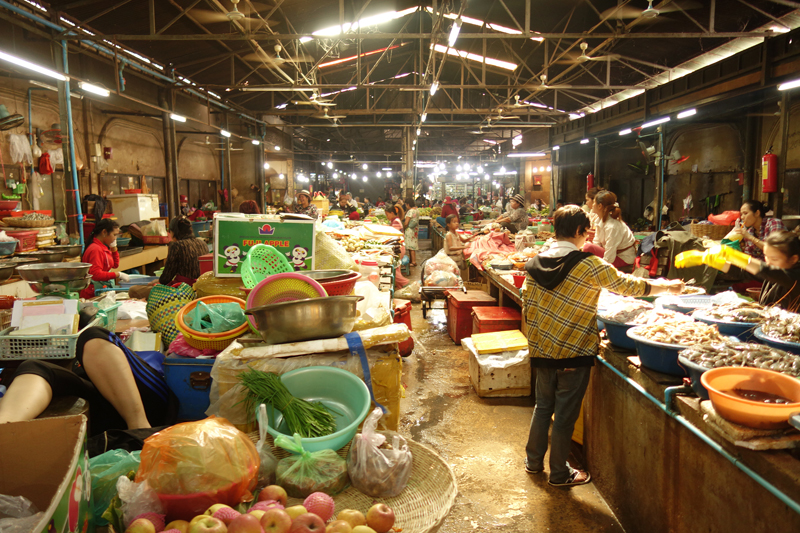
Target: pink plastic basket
(285, 287)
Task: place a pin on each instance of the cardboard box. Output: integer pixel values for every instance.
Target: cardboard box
(45, 460)
(235, 234)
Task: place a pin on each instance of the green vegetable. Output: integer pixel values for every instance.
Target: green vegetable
(308, 419)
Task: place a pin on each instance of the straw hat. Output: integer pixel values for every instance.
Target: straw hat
(519, 199)
(308, 194)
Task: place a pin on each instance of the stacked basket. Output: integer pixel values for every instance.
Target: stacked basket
(210, 341)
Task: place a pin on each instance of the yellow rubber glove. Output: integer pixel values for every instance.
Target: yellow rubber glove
(715, 257)
(689, 258)
(735, 257)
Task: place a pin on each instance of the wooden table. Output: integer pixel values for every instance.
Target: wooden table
(502, 289)
(151, 259)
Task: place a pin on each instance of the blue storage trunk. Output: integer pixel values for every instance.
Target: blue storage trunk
(190, 380)
(423, 232)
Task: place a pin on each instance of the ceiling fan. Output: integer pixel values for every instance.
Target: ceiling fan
(208, 16)
(584, 57)
(220, 145)
(649, 13)
(326, 115)
(262, 56)
(321, 103)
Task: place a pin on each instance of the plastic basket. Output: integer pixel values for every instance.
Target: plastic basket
(263, 260)
(714, 232)
(26, 240)
(210, 341)
(109, 316)
(41, 347)
(341, 287)
(151, 239)
(285, 287)
(8, 247)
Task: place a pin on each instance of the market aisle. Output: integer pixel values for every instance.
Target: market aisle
(483, 440)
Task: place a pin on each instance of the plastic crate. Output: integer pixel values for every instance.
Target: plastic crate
(109, 316)
(26, 239)
(44, 347)
(150, 239)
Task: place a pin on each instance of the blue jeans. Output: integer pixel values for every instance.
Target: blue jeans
(559, 391)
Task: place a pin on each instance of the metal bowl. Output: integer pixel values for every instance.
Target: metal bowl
(43, 256)
(6, 270)
(75, 285)
(70, 250)
(50, 272)
(326, 275)
(331, 316)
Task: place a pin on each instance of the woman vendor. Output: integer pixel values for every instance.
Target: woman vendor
(614, 240)
(304, 205)
(249, 207)
(395, 220)
(756, 227)
(103, 255)
(183, 258)
(412, 231)
(515, 218)
(123, 391)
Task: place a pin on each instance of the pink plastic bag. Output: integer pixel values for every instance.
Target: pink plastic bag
(180, 347)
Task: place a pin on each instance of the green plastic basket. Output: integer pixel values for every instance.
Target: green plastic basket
(263, 260)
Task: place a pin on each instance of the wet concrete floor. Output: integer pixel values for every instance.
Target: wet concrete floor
(483, 441)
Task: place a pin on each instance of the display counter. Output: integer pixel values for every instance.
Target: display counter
(501, 288)
(147, 261)
(666, 468)
(437, 234)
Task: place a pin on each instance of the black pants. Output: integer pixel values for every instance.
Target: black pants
(161, 409)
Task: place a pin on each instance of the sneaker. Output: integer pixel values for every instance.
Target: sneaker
(578, 477)
(530, 470)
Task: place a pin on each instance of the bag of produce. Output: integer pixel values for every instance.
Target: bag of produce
(266, 470)
(440, 278)
(441, 262)
(208, 456)
(106, 469)
(377, 467)
(307, 472)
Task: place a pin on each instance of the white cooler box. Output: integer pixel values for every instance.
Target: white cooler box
(506, 374)
(129, 208)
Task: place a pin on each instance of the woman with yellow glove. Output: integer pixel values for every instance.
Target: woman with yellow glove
(780, 271)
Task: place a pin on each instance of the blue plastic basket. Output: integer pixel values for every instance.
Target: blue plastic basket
(8, 247)
(658, 356)
(618, 333)
(742, 330)
(763, 338)
(695, 371)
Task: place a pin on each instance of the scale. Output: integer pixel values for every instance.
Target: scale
(68, 289)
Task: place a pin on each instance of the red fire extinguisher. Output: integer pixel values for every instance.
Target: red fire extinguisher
(589, 181)
(769, 172)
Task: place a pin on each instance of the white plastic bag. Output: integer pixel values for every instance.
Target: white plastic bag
(379, 472)
(20, 149)
(409, 292)
(266, 470)
(137, 498)
(441, 262)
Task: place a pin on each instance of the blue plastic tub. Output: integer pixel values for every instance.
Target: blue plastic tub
(190, 380)
(791, 347)
(197, 227)
(695, 371)
(657, 355)
(8, 247)
(423, 232)
(338, 389)
(618, 333)
(742, 330)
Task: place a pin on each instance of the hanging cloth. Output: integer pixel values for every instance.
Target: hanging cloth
(44, 164)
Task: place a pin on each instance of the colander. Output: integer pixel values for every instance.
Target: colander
(279, 288)
(263, 260)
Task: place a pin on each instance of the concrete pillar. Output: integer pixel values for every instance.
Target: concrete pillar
(170, 154)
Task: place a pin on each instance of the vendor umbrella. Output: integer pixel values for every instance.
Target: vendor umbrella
(7, 120)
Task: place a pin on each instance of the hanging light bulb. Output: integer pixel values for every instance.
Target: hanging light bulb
(434, 87)
(424, 117)
(364, 166)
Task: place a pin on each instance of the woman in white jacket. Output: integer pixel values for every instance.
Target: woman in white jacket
(614, 240)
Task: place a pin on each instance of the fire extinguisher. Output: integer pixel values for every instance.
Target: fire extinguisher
(589, 181)
(769, 172)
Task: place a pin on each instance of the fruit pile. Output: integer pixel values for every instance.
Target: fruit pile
(270, 515)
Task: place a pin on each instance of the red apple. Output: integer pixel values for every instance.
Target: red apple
(362, 529)
(308, 523)
(141, 525)
(276, 521)
(207, 524)
(352, 517)
(273, 492)
(339, 526)
(216, 507)
(380, 518)
(180, 525)
(246, 523)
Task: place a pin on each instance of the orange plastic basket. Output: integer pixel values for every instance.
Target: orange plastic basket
(210, 341)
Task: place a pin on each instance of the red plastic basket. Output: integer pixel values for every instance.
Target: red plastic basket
(27, 239)
(342, 287)
(149, 239)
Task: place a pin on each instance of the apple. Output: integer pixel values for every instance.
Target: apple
(180, 525)
(307, 523)
(258, 513)
(207, 524)
(352, 517)
(246, 523)
(296, 510)
(141, 525)
(363, 529)
(339, 526)
(216, 507)
(275, 493)
(276, 521)
(380, 518)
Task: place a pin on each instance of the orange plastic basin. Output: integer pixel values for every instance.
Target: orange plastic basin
(721, 381)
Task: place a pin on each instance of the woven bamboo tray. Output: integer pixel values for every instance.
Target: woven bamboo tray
(714, 232)
(17, 222)
(423, 504)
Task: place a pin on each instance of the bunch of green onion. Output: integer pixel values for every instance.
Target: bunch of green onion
(308, 419)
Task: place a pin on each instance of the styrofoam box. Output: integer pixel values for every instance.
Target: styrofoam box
(129, 208)
(491, 382)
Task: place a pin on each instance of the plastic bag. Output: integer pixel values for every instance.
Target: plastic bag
(18, 514)
(440, 278)
(20, 149)
(307, 472)
(106, 470)
(441, 262)
(215, 318)
(208, 285)
(201, 457)
(409, 292)
(137, 498)
(266, 470)
(180, 347)
(330, 255)
(374, 317)
(380, 472)
(156, 228)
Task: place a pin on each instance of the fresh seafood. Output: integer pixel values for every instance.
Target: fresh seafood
(743, 311)
(690, 290)
(679, 331)
(656, 315)
(626, 310)
(727, 353)
(781, 325)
